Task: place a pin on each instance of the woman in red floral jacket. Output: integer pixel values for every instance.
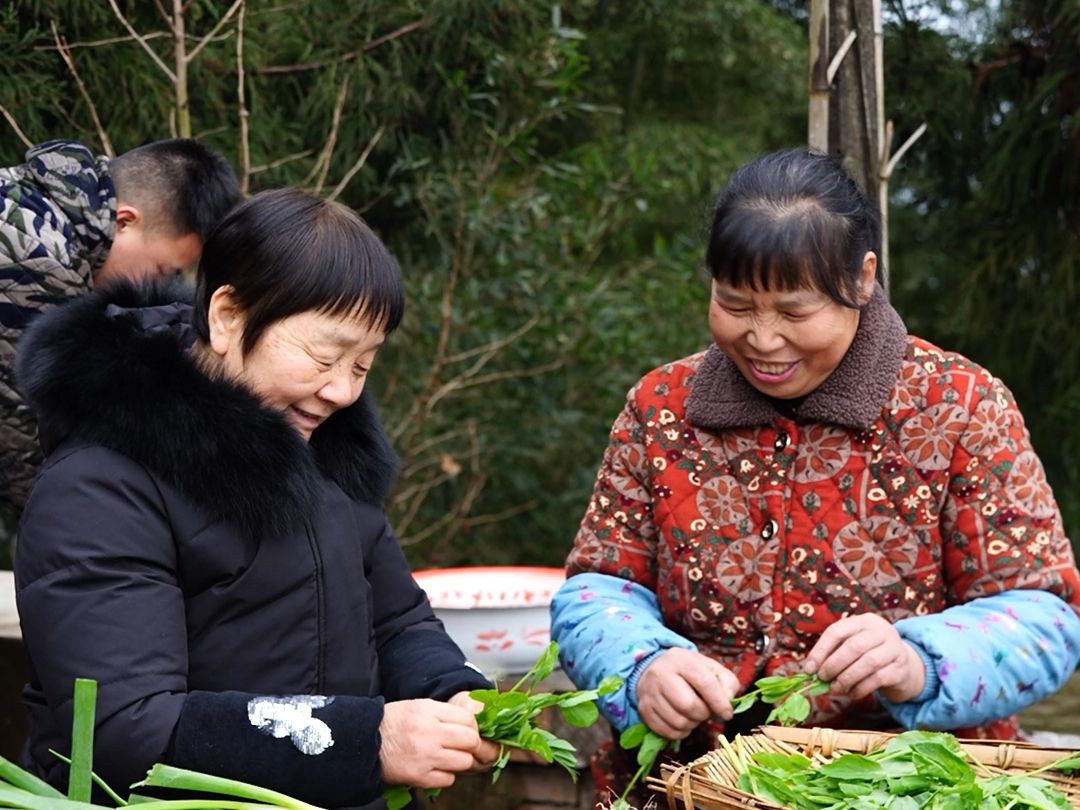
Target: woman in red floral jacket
(821, 492)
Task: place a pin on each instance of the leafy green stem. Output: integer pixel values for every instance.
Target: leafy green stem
(789, 694)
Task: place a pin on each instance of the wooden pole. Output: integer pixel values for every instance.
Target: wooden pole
(818, 119)
(183, 109)
(884, 143)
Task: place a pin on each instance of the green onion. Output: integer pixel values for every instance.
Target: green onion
(82, 740)
(16, 776)
(166, 776)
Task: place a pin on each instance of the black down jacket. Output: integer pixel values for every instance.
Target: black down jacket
(236, 592)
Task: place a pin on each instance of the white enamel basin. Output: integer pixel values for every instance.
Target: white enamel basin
(498, 615)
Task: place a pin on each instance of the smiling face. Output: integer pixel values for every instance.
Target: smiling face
(307, 366)
(785, 342)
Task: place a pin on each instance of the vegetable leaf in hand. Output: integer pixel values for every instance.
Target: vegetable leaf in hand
(789, 693)
(507, 719)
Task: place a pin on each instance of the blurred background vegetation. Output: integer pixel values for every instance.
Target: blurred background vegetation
(543, 173)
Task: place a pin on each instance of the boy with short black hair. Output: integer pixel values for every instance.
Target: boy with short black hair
(71, 220)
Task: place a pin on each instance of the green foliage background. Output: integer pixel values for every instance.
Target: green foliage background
(543, 174)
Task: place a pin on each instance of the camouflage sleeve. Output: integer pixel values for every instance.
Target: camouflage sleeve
(56, 215)
(28, 285)
(20, 455)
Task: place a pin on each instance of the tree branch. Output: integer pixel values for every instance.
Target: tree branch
(206, 39)
(451, 521)
(472, 491)
(346, 57)
(265, 167)
(461, 383)
(900, 152)
(93, 43)
(495, 345)
(142, 41)
(61, 46)
(245, 144)
(322, 165)
(15, 126)
(496, 517)
(360, 161)
(841, 52)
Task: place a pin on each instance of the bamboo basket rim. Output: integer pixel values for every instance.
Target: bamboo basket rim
(710, 781)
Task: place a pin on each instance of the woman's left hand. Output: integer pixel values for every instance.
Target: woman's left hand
(863, 654)
(487, 752)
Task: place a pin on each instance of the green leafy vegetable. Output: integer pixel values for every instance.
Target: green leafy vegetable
(507, 719)
(507, 716)
(649, 745)
(917, 769)
(82, 740)
(789, 693)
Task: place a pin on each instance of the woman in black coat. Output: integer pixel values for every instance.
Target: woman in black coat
(207, 537)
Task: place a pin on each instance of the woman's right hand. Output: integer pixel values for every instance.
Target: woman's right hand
(426, 743)
(681, 689)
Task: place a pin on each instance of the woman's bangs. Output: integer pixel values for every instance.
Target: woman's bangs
(359, 281)
(760, 253)
(758, 249)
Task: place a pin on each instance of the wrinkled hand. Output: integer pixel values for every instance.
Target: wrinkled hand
(680, 689)
(487, 752)
(863, 654)
(426, 742)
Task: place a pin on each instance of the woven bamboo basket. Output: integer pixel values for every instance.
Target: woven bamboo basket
(709, 783)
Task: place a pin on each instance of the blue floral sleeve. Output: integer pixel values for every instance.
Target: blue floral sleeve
(989, 658)
(607, 625)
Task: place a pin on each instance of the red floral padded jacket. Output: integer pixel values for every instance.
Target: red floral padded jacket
(905, 483)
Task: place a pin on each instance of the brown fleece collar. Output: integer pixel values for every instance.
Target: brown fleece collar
(852, 396)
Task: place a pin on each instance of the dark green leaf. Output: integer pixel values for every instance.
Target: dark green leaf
(397, 797)
(774, 760)
(651, 746)
(742, 703)
(853, 766)
(609, 684)
(581, 715)
(633, 735)
(1068, 764)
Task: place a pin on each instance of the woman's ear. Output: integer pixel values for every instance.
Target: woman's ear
(867, 277)
(225, 319)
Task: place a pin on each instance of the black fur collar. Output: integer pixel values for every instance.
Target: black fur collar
(112, 369)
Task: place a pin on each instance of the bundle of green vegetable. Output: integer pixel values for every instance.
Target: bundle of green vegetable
(788, 693)
(916, 769)
(507, 718)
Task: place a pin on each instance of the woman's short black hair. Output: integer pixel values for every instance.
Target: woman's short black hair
(286, 251)
(793, 219)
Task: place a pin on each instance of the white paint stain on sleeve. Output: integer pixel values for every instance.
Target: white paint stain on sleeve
(290, 717)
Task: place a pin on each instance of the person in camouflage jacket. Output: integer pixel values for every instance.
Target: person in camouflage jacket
(72, 220)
